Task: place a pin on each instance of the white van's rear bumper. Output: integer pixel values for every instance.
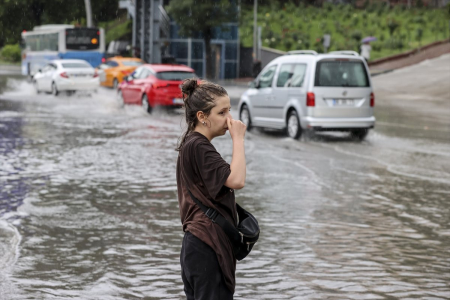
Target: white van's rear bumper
(337, 123)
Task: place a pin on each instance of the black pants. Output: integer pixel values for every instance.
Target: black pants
(200, 271)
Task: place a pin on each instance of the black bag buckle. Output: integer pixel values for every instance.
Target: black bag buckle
(212, 214)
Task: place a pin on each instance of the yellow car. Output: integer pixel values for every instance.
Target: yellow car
(116, 68)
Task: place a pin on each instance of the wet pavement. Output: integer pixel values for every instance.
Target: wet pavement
(88, 206)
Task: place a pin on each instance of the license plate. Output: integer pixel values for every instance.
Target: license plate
(178, 101)
(340, 102)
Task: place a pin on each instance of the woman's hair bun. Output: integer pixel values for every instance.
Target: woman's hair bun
(189, 86)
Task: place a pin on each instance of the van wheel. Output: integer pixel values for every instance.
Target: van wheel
(245, 117)
(115, 83)
(359, 134)
(145, 105)
(294, 130)
(55, 91)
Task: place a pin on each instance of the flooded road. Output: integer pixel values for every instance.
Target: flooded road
(88, 203)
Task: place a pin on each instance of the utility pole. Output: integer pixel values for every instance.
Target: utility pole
(87, 4)
(255, 30)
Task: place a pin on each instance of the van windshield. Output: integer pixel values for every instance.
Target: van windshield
(339, 73)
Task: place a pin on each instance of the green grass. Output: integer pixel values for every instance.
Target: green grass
(301, 27)
(8, 63)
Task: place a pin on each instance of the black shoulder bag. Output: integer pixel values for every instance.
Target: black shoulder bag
(244, 237)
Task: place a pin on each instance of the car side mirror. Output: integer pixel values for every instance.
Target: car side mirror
(254, 84)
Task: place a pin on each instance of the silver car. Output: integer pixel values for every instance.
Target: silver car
(304, 90)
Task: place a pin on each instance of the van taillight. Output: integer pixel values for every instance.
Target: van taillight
(310, 99)
(372, 99)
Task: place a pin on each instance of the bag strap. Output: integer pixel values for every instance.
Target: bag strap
(233, 234)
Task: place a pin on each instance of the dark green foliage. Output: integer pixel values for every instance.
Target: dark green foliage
(356, 35)
(396, 29)
(392, 24)
(11, 53)
(18, 15)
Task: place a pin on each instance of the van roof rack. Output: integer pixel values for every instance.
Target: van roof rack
(345, 52)
(294, 52)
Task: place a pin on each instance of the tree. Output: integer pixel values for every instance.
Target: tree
(18, 15)
(202, 16)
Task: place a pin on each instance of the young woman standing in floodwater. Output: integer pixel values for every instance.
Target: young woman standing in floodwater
(207, 262)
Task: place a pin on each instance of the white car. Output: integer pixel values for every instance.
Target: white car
(304, 90)
(66, 75)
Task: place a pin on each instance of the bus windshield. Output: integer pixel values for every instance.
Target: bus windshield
(82, 39)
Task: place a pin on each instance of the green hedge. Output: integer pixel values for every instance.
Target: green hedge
(293, 27)
(11, 53)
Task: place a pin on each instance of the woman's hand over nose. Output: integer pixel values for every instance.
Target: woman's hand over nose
(237, 129)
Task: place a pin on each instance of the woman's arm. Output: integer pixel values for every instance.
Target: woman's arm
(236, 179)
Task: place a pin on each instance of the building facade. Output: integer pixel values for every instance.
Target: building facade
(156, 39)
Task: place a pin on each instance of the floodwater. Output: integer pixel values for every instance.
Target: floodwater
(88, 203)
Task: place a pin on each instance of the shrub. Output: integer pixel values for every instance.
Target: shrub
(356, 35)
(11, 53)
(392, 25)
(419, 34)
(376, 46)
(419, 20)
(394, 43)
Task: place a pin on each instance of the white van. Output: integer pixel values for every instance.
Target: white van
(305, 90)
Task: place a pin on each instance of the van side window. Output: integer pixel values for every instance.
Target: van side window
(291, 75)
(266, 78)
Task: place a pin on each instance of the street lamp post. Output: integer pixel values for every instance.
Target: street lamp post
(87, 4)
(255, 30)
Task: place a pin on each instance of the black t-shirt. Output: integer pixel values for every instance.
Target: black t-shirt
(202, 170)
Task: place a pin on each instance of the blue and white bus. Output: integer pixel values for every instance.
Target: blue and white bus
(48, 42)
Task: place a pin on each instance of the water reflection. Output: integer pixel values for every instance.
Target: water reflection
(99, 216)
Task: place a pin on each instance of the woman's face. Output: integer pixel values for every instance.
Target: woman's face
(216, 122)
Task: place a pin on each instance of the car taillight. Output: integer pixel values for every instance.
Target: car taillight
(158, 85)
(372, 99)
(64, 75)
(310, 99)
(125, 72)
(95, 74)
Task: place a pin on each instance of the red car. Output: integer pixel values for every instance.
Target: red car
(153, 85)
